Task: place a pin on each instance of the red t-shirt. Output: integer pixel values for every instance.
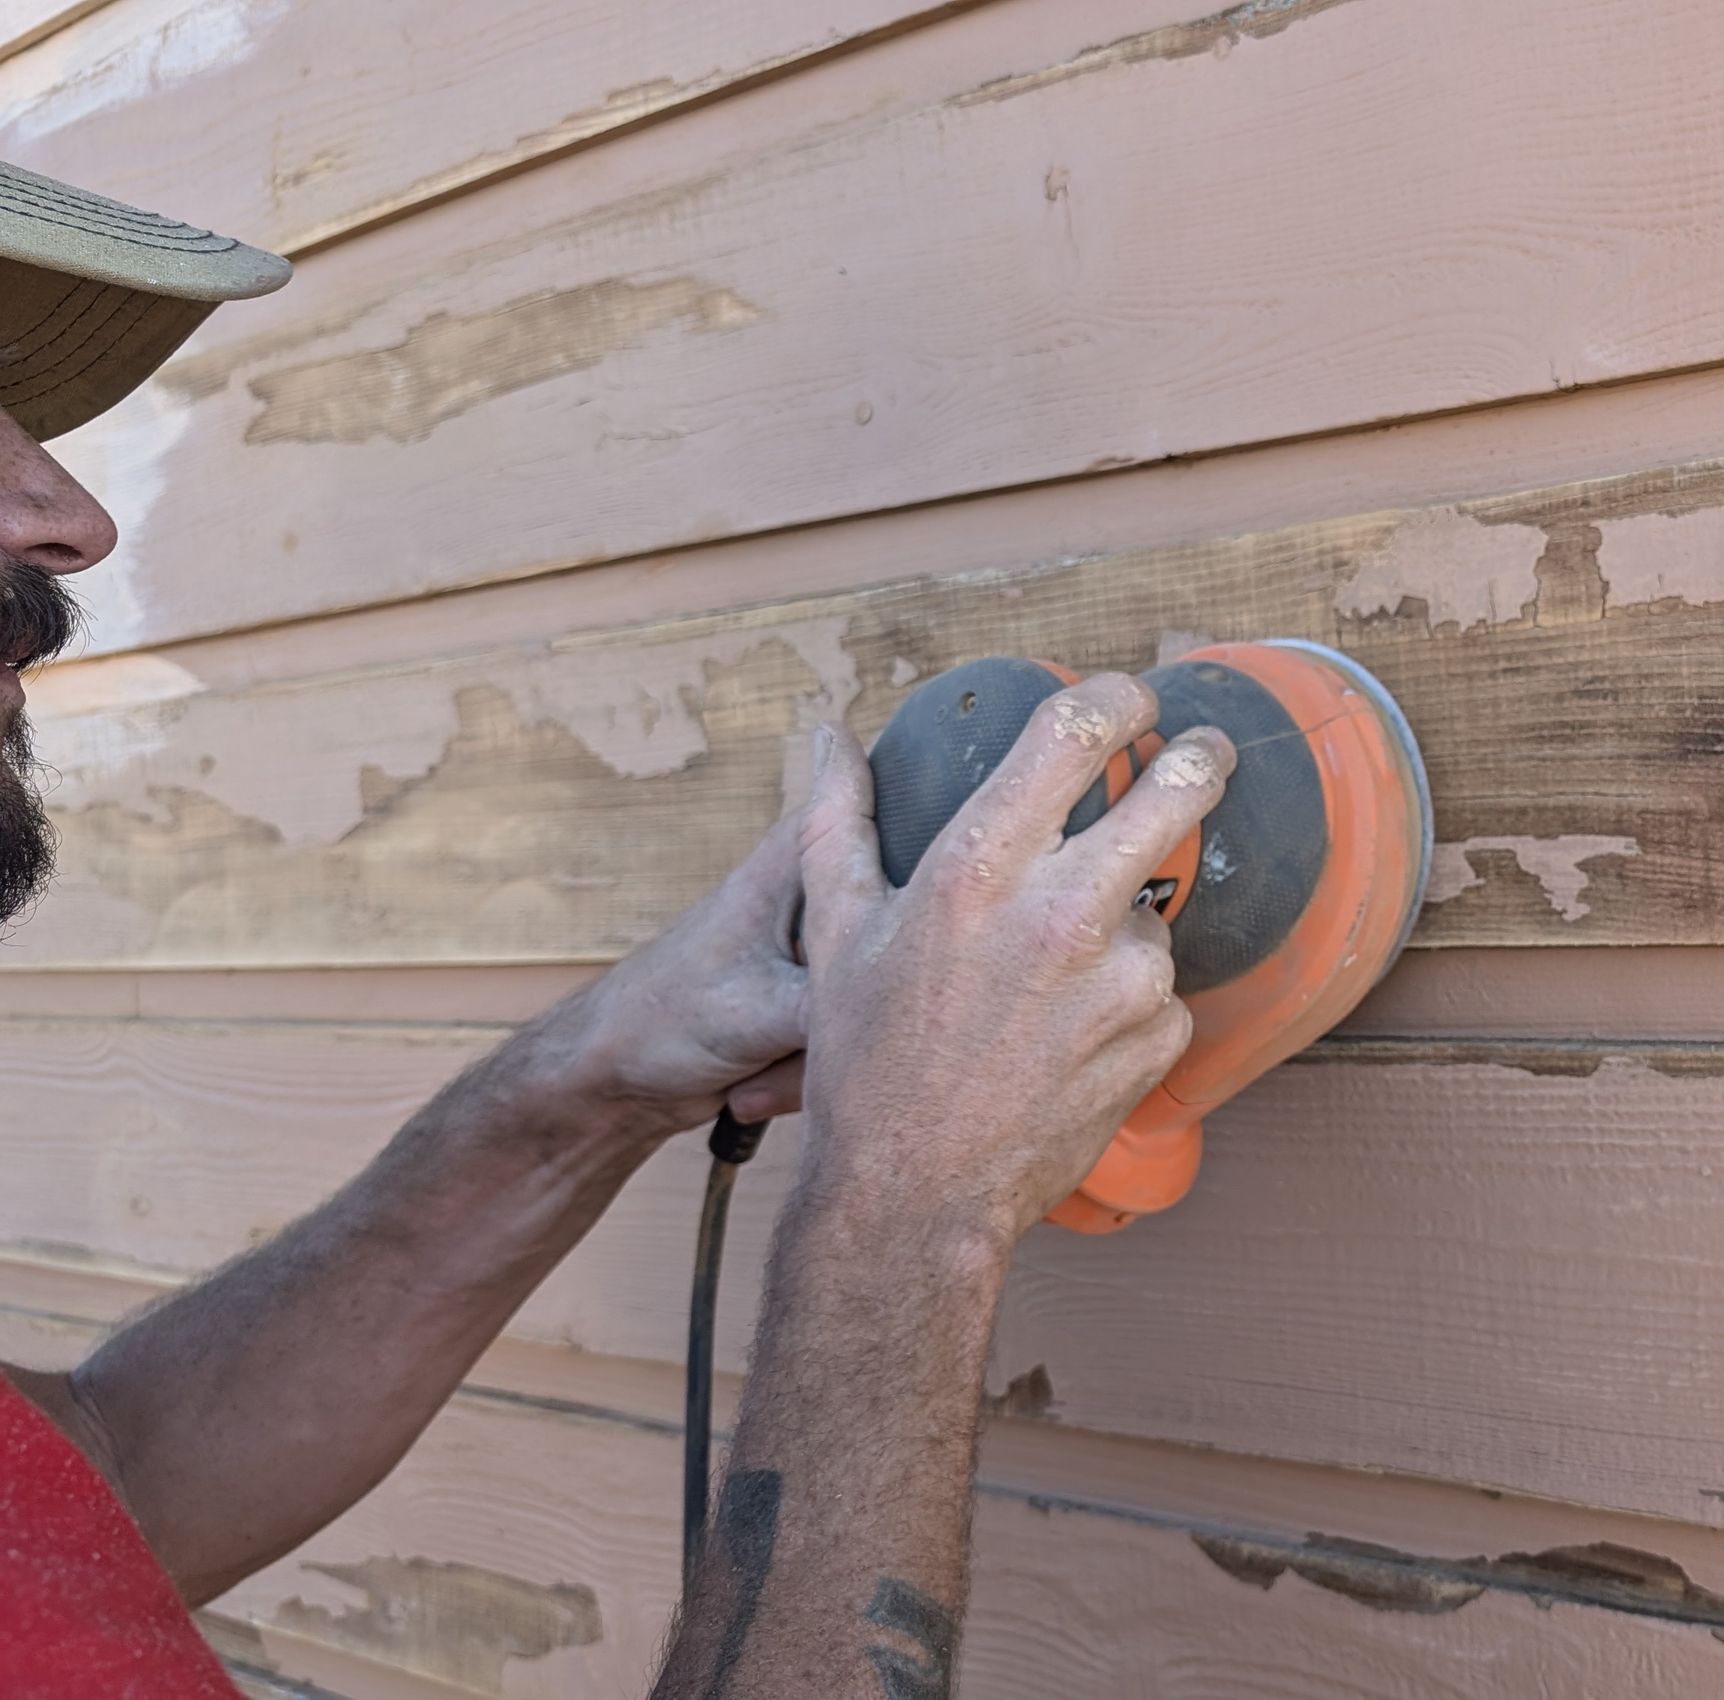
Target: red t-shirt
(86, 1613)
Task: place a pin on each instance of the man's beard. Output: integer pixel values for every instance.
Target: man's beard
(39, 617)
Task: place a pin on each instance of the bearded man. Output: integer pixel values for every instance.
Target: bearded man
(213, 1434)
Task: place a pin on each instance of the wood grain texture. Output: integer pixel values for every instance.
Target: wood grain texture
(907, 275)
(1639, 1564)
(1495, 1264)
(1588, 992)
(432, 98)
(1577, 436)
(1558, 652)
(1067, 1598)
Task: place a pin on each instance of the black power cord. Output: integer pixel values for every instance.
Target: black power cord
(731, 1143)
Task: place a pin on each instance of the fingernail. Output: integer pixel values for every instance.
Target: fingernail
(822, 748)
(1216, 743)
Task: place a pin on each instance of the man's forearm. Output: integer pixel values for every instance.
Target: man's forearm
(837, 1561)
(244, 1414)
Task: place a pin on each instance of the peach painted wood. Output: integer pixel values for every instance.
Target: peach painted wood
(1492, 1263)
(1446, 1524)
(1064, 238)
(1065, 1601)
(25, 23)
(1577, 436)
(562, 798)
(1587, 992)
(316, 118)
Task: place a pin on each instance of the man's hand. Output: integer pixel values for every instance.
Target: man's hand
(978, 1036)
(714, 1009)
(973, 1040)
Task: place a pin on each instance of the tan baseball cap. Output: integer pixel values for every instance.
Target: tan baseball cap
(95, 295)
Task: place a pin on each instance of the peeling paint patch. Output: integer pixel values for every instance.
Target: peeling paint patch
(1028, 1395)
(457, 1622)
(1602, 1574)
(446, 365)
(1662, 557)
(643, 713)
(1255, 20)
(1464, 572)
(1558, 864)
(1614, 1575)
(1377, 1577)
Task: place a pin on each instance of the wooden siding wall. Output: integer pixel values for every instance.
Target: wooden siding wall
(477, 596)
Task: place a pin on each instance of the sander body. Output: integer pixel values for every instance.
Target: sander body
(1284, 907)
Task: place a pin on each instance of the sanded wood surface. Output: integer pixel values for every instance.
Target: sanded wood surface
(1073, 237)
(1488, 1263)
(1560, 654)
(315, 118)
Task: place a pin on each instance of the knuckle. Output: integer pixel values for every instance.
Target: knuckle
(1150, 980)
(968, 869)
(1072, 925)
(1162, 977)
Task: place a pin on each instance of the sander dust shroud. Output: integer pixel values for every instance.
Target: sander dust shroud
(1284, 907)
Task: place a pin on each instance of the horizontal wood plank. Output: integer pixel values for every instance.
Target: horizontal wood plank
(908, 275)
(433, 98)
(1588, 992)
(29, 22)
(1069, 1597)
(1576, 436)
(1558, 653)
(1487, 1263)
(1028, 1458)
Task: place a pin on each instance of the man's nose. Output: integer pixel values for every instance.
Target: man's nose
(46, 516)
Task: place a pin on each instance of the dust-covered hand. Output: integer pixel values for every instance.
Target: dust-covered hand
(976, 1037)
(712, 1009)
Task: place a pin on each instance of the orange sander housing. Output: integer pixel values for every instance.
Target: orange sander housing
(1285, 907)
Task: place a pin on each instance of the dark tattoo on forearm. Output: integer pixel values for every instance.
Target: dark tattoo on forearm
(924, 1623)
(746, 1528)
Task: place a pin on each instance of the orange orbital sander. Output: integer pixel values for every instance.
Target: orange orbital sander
(1285, 906)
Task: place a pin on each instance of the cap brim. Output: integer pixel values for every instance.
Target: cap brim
(95, 295)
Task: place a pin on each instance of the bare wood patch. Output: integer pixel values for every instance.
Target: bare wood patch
(1600, 1574)
(445, 365)
(561, 800)
(1254, 20)
(458, 1622)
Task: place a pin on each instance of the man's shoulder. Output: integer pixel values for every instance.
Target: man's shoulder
(54, 1394)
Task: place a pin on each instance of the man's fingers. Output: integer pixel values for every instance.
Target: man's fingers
(1171, 796)
(769, 883)
(1020, 810)
(775, 1091)
(842, 880)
